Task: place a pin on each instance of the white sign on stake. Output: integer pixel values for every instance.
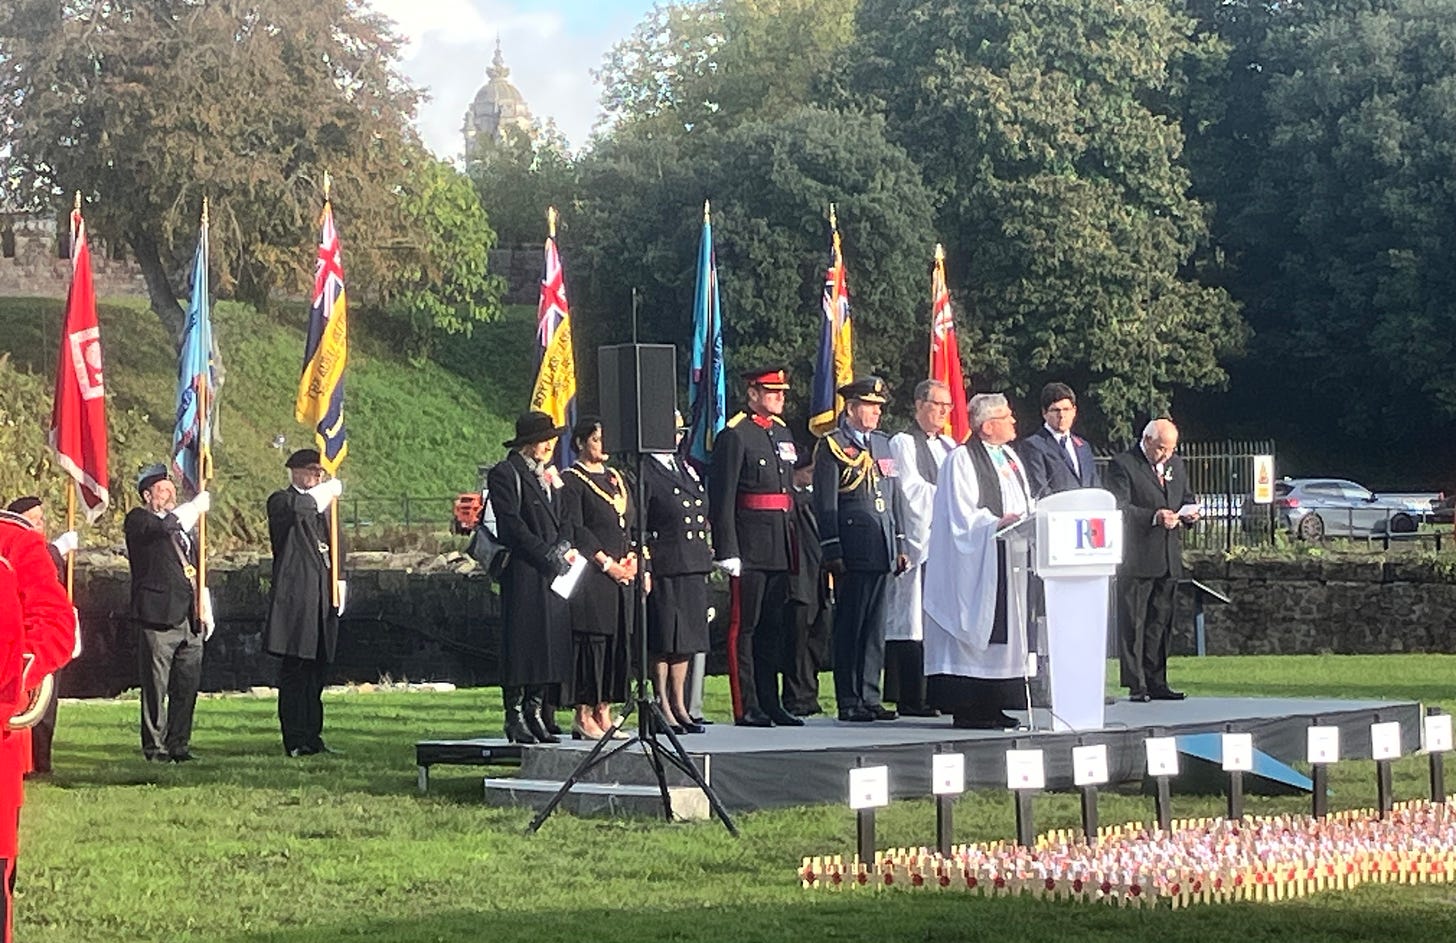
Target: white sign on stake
(1025, 770)
(1162, 756)
(1238, 752)
(948, 774)
(1385, 741)
(1323, 745)
(869, 787)
(1089, 765)
(1437, 733)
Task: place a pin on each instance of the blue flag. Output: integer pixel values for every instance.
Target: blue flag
(707, 404)
(197, 379)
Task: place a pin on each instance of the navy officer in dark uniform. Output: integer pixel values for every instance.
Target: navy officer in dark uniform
(856, 504)
(750, 498)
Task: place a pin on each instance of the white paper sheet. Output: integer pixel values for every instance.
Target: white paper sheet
(565, 584)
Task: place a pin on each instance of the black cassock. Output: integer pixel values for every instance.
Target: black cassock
(303, 625)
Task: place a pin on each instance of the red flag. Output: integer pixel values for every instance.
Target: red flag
(945, 353)
(78, 424)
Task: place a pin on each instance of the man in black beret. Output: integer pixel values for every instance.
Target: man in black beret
(303, 621)
(172, 624)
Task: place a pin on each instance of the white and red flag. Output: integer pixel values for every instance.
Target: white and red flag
(945, 352)
(78, 422)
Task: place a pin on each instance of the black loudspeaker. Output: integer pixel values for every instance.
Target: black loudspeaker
(638, 387)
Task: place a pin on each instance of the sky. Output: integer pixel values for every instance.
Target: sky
(550, 47)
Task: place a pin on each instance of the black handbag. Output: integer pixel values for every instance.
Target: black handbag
(485, 547)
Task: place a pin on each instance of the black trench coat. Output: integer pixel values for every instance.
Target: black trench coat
(535, 622)
(302, 621)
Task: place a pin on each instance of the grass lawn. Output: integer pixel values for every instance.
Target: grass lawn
(247, 845)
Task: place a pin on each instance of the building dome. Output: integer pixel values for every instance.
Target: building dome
(497, 107)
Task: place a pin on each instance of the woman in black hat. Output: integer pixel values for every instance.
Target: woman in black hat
(597, 504)
(535, 621)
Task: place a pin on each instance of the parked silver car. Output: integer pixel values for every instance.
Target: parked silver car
(1311, 508)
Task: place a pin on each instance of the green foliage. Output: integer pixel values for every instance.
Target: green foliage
(770, 182)
(442, 284)
(416, 430)
(520, 175)
(247, 845)
(148, 106)
(706, 64)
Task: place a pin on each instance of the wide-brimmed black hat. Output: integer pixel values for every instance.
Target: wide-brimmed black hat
(534, 426)
(303, 458)
(866, 390)
(149, 476)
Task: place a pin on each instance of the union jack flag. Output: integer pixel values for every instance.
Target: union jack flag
(321, 387)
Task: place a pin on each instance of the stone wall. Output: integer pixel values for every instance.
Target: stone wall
(1322, 605)
(423, 618)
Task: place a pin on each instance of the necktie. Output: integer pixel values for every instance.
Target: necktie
(1071, 450)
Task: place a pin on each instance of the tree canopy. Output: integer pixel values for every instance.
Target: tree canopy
(147, 106)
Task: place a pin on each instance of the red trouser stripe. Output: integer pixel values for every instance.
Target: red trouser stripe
(735, 593)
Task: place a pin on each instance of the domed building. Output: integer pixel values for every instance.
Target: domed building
(497, 107)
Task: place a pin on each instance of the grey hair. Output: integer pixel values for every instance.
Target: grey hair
(982, 404)
(923, 388)
(1150, 431)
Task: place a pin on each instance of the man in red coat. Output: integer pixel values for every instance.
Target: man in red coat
(37, 635)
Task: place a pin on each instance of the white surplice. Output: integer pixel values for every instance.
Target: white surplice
(960, 572)
(903, 602)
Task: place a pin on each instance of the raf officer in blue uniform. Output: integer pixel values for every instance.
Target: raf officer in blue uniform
(856, 504)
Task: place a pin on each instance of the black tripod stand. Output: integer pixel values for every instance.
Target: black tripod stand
(651, 723)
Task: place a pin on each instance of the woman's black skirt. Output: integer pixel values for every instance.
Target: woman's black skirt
(677, 615)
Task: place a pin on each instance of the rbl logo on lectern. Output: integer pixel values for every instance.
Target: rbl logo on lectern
(1091, 533)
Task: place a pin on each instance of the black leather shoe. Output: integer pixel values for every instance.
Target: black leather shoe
(701, 721)
(754, 718)
(518, 732)
(537, 725)
(857, 715)
(1139, 697)
(693, 728)
(881, 712)
(917, 711)
(1167, 694)
(783, 718)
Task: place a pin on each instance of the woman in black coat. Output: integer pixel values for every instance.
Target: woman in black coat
(536, 649)
(597, 505)
(681, 559)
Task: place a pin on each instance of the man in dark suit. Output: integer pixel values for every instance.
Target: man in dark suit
(856, 503)
(303, 619)
(1152, 488)
(751, 504)
(1057, 459)
(811, 613)
(171, 626)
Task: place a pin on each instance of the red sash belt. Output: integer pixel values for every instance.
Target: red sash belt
(765, 502)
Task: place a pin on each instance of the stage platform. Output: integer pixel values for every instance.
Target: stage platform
(753, 768)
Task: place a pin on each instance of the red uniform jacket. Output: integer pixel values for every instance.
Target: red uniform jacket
(35, 618)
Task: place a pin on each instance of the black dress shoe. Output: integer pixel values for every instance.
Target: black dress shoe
(754, 717)
(978, 721)
(881, 712)
(693, 728)
(537, 725)
(783, 718)
(184, 757)
(917, 711)
(857, 715)
(518, 732)
(1167, 694)
(1139, 697)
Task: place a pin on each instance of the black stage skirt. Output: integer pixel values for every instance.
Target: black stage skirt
(599, 669)
(677, 615)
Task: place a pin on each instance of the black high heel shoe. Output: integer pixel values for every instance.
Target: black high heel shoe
(518, 732)
(686, 724)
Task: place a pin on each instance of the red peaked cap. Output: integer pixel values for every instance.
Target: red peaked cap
(770, 378)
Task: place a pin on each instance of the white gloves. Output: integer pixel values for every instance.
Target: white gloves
(325, 493)
(204, 611)
(67, 543)
(187, 514)
(733, 566)
(343, 593)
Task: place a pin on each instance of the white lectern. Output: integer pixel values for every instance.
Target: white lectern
(1078, 548)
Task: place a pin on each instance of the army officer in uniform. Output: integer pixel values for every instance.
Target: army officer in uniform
(856, 504)
(750, 496)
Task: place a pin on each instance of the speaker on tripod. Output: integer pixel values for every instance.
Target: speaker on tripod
(637, 387)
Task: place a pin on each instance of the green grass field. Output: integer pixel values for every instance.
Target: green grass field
(247, 845)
